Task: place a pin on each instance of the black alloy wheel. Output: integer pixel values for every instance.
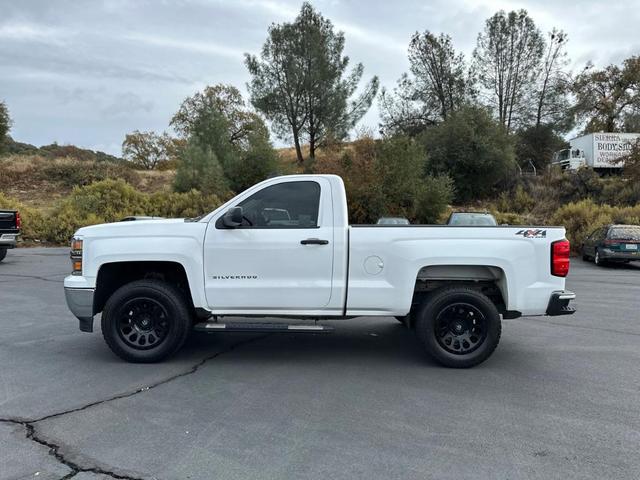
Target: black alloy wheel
(143, 323)
(146, 321)
(460, 328)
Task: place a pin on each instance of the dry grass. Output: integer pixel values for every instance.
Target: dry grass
(39, 182)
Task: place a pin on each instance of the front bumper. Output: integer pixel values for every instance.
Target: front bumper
(559, 303)
(80, 302)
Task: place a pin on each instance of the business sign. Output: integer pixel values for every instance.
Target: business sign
(609, 148)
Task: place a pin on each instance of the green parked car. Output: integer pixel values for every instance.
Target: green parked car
(612, 243)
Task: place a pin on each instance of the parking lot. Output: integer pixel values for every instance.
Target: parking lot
(560, 398)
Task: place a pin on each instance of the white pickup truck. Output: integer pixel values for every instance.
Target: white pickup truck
(284, 248)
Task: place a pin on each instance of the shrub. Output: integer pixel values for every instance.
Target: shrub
(435, 195)
(182, 205)
(200, 169)
(472, 148)
(518, 200)
(71, 172)
(105, 201)
(582, 218)
(33, 220)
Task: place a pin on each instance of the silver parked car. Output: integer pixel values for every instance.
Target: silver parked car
(476, 219)
(392, 221)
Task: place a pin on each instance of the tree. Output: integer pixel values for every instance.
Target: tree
(225, 100)
(608, 99)
(219, 121)
(473, 149)
(385, 178)
(147, 149)
(257, 163)
(553, 85)
(5, 125)
(438, 85)
(200, 169)
(537, 144)
(507, 60)
(300, 82)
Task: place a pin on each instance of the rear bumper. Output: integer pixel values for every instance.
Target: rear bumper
(8, 240)
(80, 302)
(614, 255)
(559, 303)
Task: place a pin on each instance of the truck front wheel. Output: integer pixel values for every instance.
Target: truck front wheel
(145, 321)
(459, 327)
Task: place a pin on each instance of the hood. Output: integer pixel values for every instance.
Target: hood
(138, 227)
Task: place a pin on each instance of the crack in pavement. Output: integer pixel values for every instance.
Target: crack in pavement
(31, 432)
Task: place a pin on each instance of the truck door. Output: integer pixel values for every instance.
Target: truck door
(280, 258)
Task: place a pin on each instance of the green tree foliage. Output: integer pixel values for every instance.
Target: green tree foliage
(385, 178)
(507, 62)
(5, 125)
(147, 149)
(221, 128)
(437, 86)
(258, 162)
(608, 99)
(200, 169)
(536, 145)
(300, 82)
(223, 101)
(472, 148)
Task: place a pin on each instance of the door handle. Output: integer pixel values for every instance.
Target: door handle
(314, 241)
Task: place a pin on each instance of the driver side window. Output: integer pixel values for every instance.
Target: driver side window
(285, 205)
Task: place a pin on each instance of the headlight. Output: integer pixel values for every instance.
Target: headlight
(76, 256)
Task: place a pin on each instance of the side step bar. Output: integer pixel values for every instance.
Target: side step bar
(260, 327)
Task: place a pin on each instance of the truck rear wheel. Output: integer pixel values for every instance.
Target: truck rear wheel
(3, 253)
(146, 321)
(459, 327)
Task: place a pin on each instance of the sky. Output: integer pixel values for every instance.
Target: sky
(88, 72)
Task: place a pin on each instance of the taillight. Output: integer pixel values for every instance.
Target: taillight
(18, 221)
(560, 250)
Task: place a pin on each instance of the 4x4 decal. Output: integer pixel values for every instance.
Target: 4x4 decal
(532, 233)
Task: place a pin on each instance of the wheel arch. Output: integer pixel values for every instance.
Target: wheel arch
(490, 280)
(113, 275)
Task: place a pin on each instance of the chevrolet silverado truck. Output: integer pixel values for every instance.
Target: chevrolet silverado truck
(9, 230)
(284, 249)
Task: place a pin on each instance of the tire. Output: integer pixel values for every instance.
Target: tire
(585, 257)
(597, 260)
(465, 318)
(3, 253)
(146, 321)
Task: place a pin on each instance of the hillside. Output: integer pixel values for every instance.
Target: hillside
(39, 181)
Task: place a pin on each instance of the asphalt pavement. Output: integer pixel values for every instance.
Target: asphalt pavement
(560, 398)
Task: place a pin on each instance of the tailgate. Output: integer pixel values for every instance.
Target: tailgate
(8, 221)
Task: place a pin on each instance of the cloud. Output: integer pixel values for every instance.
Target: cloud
(127, 103)
(207, 47)
(25, 32)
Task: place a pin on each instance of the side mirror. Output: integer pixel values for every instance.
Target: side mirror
(232, 217)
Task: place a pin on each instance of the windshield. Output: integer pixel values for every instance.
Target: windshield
(625, 233)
